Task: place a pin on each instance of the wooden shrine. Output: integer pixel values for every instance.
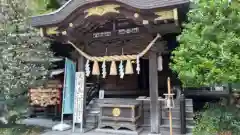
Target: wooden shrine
(120, 113)
(112, 38)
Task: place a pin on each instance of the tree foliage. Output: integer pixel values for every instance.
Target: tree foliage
(216, 119)
(209, 50)
(24, 56)
(43, 6)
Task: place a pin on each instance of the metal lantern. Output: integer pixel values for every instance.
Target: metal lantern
(169, 101)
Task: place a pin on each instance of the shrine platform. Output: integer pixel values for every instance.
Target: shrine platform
(48, 124)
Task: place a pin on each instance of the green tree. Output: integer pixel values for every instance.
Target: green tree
(209, 50)
(43, 6)
(25, 57)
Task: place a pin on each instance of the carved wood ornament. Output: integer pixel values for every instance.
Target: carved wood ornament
(102, 10)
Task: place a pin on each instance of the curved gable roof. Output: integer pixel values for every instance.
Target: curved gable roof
(71, 5)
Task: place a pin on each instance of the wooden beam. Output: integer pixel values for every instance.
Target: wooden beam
(153, 85)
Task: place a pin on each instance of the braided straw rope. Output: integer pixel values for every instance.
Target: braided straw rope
(116, 57)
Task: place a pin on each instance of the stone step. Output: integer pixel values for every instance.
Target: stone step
(176, 101)
(168, 133)
(92, 119)
(176, 109)
(92, 109)
(176, 129)
(91, 125)
(177, 121)
(114, 100)
(177, 114)
(147, 107)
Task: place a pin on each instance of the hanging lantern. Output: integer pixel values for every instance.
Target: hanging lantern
(160, 63)
(113, 68)
(169, 101)
(95, 70)
(129, 68)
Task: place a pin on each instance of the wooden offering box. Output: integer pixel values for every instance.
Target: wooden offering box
(120, 114)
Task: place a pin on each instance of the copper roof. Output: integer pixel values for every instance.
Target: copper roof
(71, 5)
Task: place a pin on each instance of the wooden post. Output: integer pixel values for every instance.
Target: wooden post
(81, 68)
(170, 109)
(153, 86)
(183, 114)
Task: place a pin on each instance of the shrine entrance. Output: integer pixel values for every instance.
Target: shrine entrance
(121, 46)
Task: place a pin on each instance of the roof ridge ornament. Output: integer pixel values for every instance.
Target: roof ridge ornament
(102, 10)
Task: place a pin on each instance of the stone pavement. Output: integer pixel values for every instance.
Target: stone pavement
(69, 132)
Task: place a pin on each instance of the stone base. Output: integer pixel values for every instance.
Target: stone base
(120, 132)
(84, 130)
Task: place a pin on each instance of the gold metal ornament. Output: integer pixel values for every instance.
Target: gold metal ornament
(175, 14)
(52, 31)
(41, 32)
(116, 112)
(167, 14)
(71, 25)
(64, 33)
(101, 10)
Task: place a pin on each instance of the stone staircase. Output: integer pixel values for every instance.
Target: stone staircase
(93, 113)
(164, 127)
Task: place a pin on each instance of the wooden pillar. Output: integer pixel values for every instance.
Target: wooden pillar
(183, 114)
(81, 64)
(153, 86)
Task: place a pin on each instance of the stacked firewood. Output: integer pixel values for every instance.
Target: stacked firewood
(44, 97)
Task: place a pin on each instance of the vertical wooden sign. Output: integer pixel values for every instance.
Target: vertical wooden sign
(79, 100)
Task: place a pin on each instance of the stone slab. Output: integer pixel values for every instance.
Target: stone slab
(120, 132)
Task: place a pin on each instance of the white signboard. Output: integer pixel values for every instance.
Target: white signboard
(101, 94)
(79, 99)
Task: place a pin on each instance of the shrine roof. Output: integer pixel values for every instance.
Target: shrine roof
(70, 6)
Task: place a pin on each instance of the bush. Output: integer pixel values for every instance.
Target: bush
(14, 129)
(218, 119)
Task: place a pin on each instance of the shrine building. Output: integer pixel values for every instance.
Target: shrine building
(122, 49)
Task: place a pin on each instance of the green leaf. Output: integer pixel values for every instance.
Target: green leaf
(209, 50)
